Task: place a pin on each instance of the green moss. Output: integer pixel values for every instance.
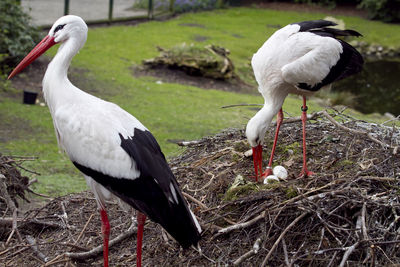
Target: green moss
(295, 147)
(346, 162)
(290, 192)
(241, 191)
(235, 157)
(241, 146)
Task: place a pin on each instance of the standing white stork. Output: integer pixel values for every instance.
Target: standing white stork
(300, 58)
(112, 149)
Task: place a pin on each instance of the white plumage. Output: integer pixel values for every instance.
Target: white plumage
(89, 134)
(300, 58)
(115, 152)
(80, 118)
(289, 57)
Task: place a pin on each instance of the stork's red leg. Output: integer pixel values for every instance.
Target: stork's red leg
(141, 218)
(279, 120)
(105, 229)
(304, 172)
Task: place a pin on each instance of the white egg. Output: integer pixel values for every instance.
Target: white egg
(271, 179)
(280, 172)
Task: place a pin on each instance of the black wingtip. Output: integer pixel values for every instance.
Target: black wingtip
(314, 24)
(155, 175)
(354, 33)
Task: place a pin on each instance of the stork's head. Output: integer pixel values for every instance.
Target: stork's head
(255, 131)
(69, 27)
(65, 28)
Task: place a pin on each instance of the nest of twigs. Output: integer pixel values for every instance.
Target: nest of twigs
(347, 214)
(13, 189)
(13, 185)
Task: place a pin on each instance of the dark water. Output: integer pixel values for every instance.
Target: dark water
(376, 88)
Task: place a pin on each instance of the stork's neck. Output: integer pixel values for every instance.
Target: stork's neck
(58, 67)
(265, 115)
(258, 125)
(56, 85)
(273, 103)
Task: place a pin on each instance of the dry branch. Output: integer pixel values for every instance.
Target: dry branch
(26, 222)
(83, 230)
(281, 236)
(93, 252)
(311, 116)
(198, 202)
(243, 105)
(359, 132)
(253, 251)
(10, 204)
(32, 243)
(347, 254)
(241, 225)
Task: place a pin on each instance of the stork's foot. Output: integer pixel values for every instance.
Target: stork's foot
(305, 173)
(256, 179)
(260, 179)
(268, 172)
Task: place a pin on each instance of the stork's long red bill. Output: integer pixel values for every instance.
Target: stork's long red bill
(36, 52)
(257, 160)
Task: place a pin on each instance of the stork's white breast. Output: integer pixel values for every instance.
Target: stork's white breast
(89, 134)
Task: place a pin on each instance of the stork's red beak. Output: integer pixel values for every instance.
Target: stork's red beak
(36, 52)
(257, 160)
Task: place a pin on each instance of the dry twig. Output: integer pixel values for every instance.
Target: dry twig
(348, 252)
(10, 205)
(87, 254)
(281, 236)
(32, 243)
(359, 132)
(241, 225)
(253, 251)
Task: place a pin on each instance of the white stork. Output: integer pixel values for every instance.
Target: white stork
(300, 58)
(114, 151)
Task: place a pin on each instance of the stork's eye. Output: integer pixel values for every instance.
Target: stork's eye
(59, 27)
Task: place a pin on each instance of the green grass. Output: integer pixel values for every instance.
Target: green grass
(170, 111)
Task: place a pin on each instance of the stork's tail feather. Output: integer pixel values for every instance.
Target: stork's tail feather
(314, 24)
(175, 217)
(184, 226)
(332, 32)
(145, 195)
(158, 195)
(320, 27)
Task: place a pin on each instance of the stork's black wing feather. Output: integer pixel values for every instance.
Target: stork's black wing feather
(314, 24)
(332, 32)
(155, 192)
(350, 63)
(320, 27)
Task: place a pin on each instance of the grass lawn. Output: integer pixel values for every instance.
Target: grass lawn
(170, 111)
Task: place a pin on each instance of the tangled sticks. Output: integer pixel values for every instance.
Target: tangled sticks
(348, 213)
